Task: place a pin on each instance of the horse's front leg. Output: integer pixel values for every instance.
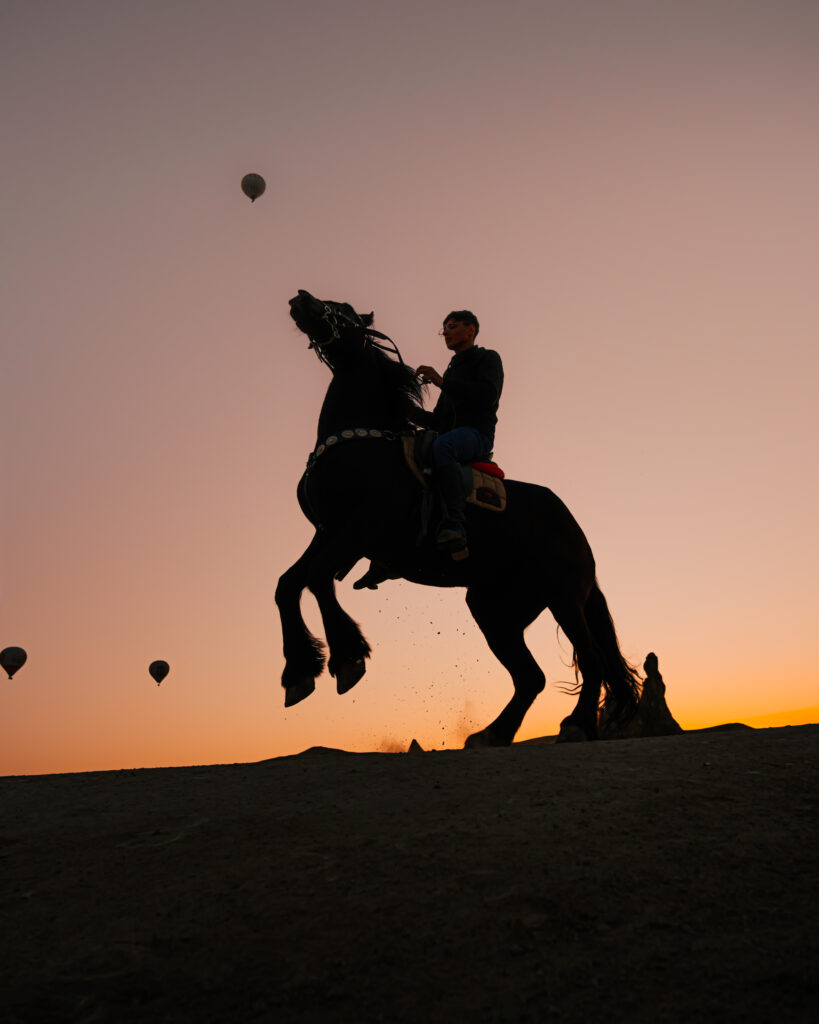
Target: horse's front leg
(348, 647)
(303, 653)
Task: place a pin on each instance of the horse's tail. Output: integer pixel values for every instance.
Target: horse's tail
(621, 681)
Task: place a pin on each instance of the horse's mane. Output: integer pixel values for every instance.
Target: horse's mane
(397, 376)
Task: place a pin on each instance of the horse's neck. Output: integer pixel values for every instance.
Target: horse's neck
(355, 398)
(345, 407)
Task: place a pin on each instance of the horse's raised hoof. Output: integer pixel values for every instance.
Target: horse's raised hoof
(349, 674)
(571, 733)
(484, 738)
(298, 691)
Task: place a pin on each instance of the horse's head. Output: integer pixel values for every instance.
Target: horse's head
(326, 323)
(371, 384)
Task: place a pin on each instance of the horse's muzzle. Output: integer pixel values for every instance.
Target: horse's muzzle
(306, 303)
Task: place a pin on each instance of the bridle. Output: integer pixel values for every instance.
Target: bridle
(332, 316)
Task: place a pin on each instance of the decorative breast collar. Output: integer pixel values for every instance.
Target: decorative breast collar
(349, 435)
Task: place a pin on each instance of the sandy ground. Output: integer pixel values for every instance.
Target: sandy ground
(664, 879)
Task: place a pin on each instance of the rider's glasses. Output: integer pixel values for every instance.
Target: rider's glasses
(450, 325)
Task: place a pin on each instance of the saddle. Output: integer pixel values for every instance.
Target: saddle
(483, 481)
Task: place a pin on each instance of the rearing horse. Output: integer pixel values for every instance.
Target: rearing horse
(365, 503)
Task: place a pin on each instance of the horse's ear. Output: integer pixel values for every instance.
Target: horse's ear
(367, 319)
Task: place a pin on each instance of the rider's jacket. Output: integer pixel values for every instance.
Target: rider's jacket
(470, 393)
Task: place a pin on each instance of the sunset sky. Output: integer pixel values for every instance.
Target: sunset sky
(626, 195)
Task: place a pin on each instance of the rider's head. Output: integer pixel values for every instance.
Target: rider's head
(460, 329)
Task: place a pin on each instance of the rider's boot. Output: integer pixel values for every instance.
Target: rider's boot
(451, 535)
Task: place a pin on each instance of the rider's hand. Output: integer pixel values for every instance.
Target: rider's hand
(430, 376)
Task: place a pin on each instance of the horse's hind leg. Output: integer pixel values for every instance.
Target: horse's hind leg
(502, 618)
(303, 653)
(581, 724)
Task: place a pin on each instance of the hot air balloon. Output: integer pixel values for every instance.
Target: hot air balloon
(159, 669)
(253, 185)
(12, 658)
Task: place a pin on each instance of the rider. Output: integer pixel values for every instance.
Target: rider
(465, 416)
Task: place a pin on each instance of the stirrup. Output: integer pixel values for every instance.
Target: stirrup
(453, 540)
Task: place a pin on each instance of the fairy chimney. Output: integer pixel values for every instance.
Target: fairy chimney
(652, 718)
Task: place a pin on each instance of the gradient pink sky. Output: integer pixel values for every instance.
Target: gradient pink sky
(625, 193)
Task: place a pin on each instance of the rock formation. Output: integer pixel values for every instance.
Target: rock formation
(652, 718)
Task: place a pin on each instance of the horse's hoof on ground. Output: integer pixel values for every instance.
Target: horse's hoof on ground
(298, 691)
(349, 674)
(484, 738)
(571, 733)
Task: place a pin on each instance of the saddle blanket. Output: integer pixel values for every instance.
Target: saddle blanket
(483, 480)
(488, 489)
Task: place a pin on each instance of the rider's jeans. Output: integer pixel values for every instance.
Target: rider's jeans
(463, 444)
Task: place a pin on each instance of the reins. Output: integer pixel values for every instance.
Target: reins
(377, 334)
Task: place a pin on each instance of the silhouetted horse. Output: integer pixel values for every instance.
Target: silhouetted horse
(365, 503)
